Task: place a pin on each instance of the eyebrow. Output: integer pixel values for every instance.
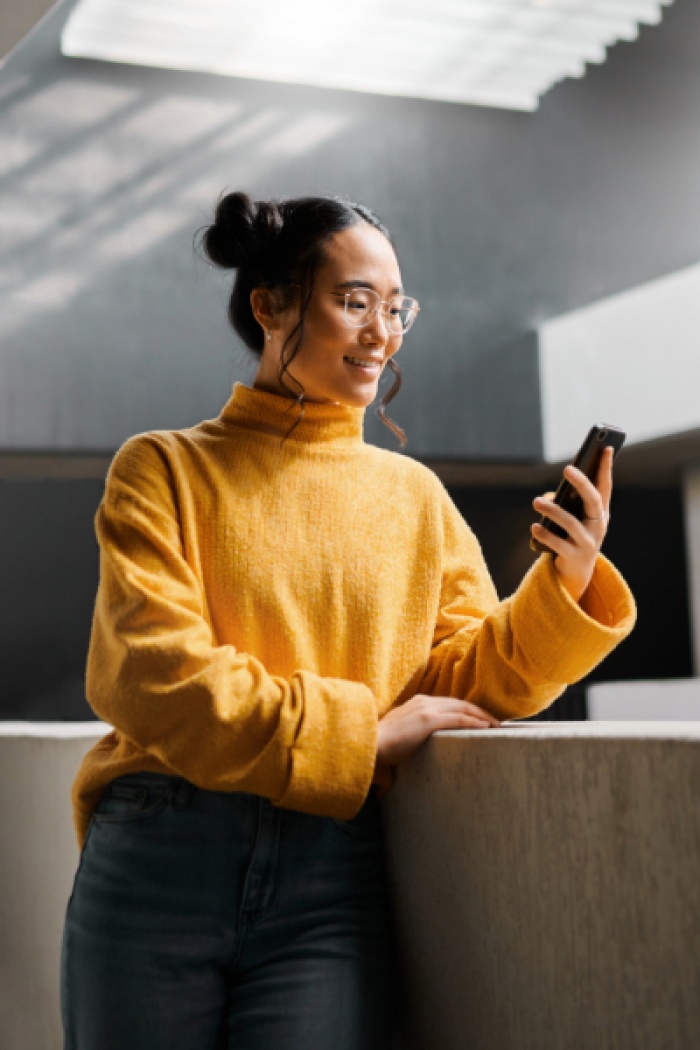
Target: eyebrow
(367, 284)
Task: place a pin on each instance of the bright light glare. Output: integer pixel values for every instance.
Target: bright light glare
(490, 52)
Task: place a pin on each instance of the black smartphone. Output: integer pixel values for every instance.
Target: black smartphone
(587, 460)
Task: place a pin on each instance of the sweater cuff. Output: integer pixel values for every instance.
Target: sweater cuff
(334, 754)
(565, 640)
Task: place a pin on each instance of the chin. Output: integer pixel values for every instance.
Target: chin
(343, 392)
(358, 398)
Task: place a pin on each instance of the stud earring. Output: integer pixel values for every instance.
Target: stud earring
(268, 335)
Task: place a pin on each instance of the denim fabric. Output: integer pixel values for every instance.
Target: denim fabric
(202, 920)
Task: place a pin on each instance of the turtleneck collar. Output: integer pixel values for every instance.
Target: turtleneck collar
(326, 424)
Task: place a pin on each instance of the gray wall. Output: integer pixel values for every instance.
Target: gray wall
(109, 326)
(49, 573)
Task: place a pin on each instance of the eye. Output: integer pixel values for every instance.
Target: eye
(358, 301)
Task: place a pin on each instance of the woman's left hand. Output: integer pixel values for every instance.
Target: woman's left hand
(576, 556)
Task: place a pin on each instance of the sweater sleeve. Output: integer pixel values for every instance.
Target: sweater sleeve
(516, 656)
(209, 712)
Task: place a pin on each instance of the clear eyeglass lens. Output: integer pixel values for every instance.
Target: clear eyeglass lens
(361, 306)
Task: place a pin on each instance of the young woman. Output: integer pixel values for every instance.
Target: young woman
(286, 613)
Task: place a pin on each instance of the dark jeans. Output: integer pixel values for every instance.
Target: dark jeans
(202, 920)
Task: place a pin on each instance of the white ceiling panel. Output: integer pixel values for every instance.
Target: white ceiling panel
(503, 53)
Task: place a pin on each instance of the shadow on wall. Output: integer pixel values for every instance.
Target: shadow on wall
(502, 220)
(101, 180)
(109, 325)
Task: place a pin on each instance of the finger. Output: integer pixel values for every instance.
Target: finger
(604, 482)
(464, 721)
(480, 712)
(569, 523)
(453, 705)
(555, 543)
(592, 499)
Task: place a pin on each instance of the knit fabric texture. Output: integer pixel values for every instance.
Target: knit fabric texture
(266, 596)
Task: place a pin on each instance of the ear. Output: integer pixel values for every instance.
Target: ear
(262, 305)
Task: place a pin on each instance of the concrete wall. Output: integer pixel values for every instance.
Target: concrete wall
(503, 220)
(17, 20)
(545, 883)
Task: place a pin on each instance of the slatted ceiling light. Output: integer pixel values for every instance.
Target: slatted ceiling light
(502, 53)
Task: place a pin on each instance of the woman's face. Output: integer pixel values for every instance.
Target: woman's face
(326, 364)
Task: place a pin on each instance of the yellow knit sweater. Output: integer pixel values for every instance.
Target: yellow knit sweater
(263, 603)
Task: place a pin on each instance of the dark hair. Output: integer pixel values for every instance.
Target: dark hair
(279, 245)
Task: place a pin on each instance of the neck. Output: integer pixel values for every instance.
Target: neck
(311, 423)
(273, 386)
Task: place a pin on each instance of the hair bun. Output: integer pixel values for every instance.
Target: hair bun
(242, 230)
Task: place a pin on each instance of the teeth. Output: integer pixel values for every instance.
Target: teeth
(365, 364)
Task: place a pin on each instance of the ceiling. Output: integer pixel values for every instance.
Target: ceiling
(503, 53)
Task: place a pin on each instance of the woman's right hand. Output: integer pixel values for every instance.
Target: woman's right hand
(403, 729)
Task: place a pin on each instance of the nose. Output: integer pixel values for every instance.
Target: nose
(376, 330)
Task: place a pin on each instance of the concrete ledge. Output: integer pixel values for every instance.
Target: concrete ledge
(547, 887)
(545, 878)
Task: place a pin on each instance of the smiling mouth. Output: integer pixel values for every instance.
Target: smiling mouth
(367, 365)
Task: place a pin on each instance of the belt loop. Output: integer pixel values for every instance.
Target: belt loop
(183, 794)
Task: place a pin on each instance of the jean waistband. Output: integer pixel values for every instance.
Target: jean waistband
(182, 791)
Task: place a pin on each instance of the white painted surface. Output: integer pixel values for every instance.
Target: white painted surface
(666, 700)
(632, 360)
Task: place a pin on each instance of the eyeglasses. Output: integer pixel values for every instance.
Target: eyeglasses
(362, 304)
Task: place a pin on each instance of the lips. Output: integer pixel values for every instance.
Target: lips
(372, 364)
